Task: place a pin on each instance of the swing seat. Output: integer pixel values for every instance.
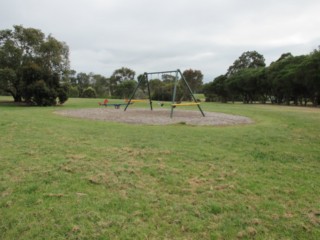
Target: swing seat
(184, 104)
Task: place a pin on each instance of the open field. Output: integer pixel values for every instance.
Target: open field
(70, 178)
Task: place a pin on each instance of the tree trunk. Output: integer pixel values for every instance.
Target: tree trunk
(17, 98)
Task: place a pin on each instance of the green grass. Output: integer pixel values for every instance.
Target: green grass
(200, 96)
(68, 178)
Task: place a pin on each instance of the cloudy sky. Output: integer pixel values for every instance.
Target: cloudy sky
(156, 35)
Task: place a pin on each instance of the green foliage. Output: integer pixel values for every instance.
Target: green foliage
(289, 79)
(194, 79)
(101, 85)
(73, 92)
(32, 65)
(143, 83)
(63, 93)
(41, 94)
(163, 90)
(247, 83)
(309, 71)
(249, 59)
(82, 82)
(217, 90)
(125, 88)
(89, 93)
(119, 76)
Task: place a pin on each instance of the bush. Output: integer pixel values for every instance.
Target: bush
(63, 94)
(41, 95)
(73, 92)
(165, 93)
(89, 93)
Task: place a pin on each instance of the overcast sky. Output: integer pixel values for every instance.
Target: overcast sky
(156, 35)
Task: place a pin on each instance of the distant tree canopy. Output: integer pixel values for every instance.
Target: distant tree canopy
(194, 79)
(121, 84)
(118, 77)
(162, 89)
(249, 59)
(289, 79)
(33, 66)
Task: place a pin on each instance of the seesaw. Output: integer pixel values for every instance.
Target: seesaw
(116, 105)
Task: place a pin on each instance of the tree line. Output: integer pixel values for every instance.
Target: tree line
(288, 80)
(122, 82)
(35, 68)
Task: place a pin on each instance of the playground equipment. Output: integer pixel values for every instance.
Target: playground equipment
(116, 105)
(174, 103)
(136, 100)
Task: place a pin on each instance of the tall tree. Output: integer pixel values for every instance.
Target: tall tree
(125, 88)
(143, 83)
(101, 85)
(246, 83)
(309, 74)
(217, 89)
(32, 65)
(120, 75)
(194, 79)
(83, 82)
(282, 75)
(249, 59)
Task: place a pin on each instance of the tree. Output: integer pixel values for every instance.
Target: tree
(101, 85)
(83, 82)
(32, 65)
(120, 75)
(73, 92)
(162, 90)
(194, 79)
(89, 93)
(309, 75)
(71, 75)
(217, 90)
(156, 88)
(249, 59)
(125, 88)
(246, 82)
(282, 74)
(143, 83)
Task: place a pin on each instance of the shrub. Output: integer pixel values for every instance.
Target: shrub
(89, 93)
(73, 92)
(41, 95)
(63, 93)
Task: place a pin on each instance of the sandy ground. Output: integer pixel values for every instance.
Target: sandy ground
(156, 117)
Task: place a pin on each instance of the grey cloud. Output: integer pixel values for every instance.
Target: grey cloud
(157, 35)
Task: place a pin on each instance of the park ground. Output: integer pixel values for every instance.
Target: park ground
(70, 178)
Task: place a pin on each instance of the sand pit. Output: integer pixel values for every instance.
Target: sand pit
(156, 117)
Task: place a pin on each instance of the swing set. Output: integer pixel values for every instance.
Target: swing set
(174, 104)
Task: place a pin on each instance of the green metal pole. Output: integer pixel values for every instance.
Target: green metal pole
(134, 92)
(194, 99)
(174, 93)
(148, 85)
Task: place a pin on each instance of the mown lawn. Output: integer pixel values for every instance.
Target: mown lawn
(68, 178)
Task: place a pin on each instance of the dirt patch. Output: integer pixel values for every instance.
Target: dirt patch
(156, 117)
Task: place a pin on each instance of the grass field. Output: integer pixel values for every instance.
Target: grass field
(68, 178)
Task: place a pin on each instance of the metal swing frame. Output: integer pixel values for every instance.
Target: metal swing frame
(173, 105)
